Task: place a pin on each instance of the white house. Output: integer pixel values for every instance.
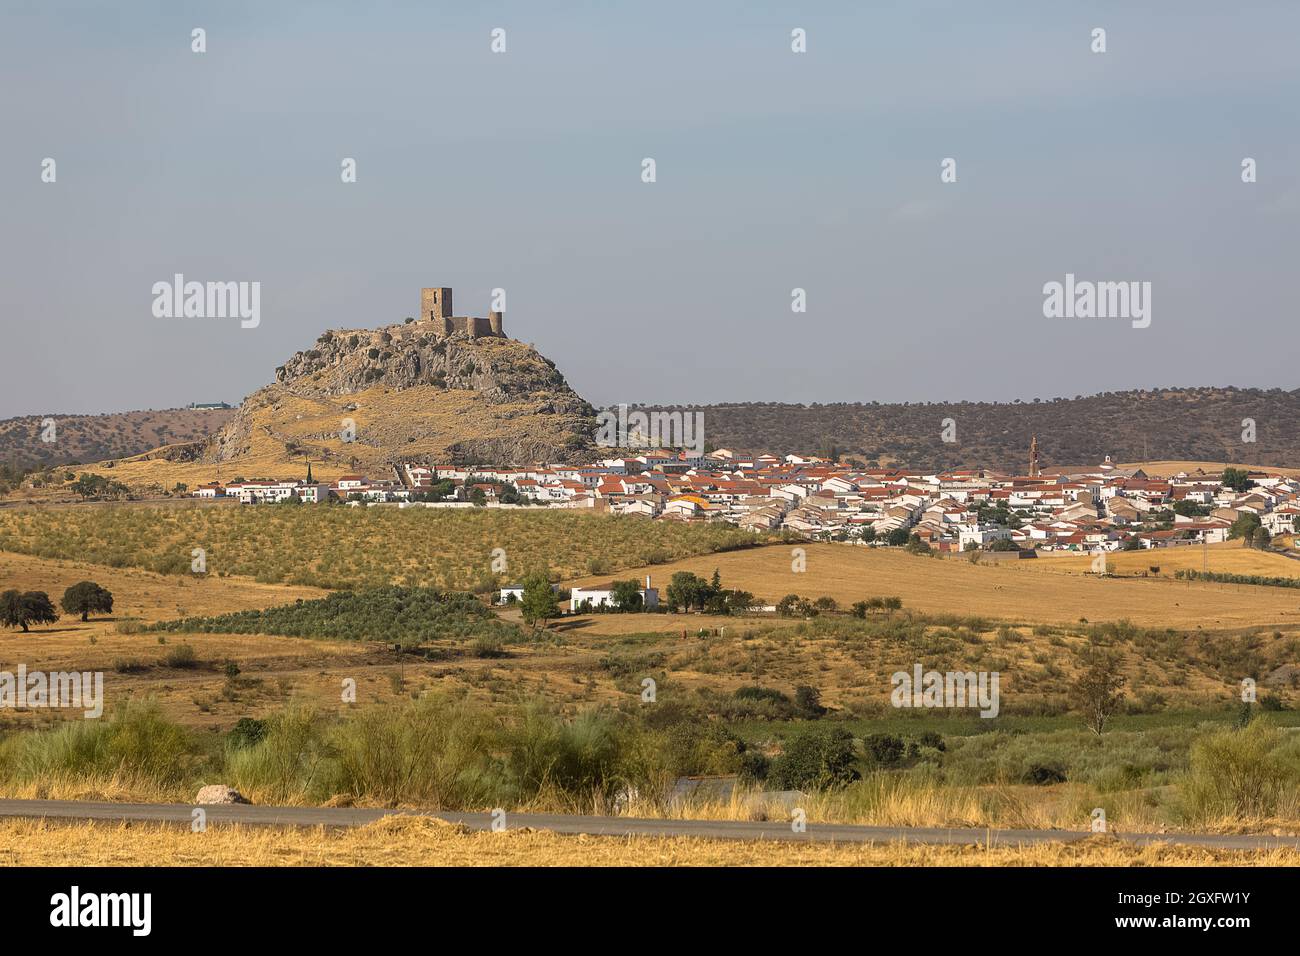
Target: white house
(604, 595)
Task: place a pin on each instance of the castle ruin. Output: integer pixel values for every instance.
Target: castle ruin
(436, 308)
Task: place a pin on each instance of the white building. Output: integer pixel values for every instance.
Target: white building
(604, 595)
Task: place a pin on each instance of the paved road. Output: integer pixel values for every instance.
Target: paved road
(608, 826)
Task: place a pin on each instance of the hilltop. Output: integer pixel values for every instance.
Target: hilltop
(367, 399)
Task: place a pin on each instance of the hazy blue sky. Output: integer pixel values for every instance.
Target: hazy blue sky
(775, 170)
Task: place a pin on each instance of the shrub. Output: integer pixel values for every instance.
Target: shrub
(578, 757)
(1041, 774)
(808, 701)
(1237, 774)
(885, 750)
(182, 657)
(489, 647)
(246, 732)
(136, 743)
(815, 758)
(434, 751)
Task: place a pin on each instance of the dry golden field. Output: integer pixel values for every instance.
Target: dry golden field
(600, 659)
(1167, 469)
(398, 841)
(1227, 558)
(1010, 591)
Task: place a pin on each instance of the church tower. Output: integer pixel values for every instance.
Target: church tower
(1033, 457)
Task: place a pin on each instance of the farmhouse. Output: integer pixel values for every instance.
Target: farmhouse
(603, 595)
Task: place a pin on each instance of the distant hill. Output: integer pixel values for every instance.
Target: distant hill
(1202, 424)
(417, 396)
(87, 438)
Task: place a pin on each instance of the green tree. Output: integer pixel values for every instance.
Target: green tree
(1246, 527)
(739, 601)
(1238, 479)
(97, 486)
(539, 603)
(26, 608)
(792, 605)
(627, 595)
(86, 598)
(687, 590)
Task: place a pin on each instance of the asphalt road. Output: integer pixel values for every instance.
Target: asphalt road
(608, 826)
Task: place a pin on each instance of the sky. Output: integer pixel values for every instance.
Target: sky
(774, 170)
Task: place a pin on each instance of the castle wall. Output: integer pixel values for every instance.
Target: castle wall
(435, 307)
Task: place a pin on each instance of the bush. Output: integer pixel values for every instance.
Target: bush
(182, 657)
(136, 743)
(808, 701)
(433, 751)
(489, 647)
(885, 750)
(815, 758)
(579, 757)
(1042, 774)
(1237, 774)
(246, 732)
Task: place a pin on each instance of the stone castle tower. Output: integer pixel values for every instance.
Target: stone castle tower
(436, 308)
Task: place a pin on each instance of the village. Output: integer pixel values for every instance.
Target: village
(1081, 509)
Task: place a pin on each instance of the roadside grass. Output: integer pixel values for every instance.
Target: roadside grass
(407, 841)
(445, 752)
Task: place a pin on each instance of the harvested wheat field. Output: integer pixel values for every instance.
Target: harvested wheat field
(1227, 558)
(142, 594)
(400, 841)
(851, 573)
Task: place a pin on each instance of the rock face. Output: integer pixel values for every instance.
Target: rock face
(219, 793)
(371, 398)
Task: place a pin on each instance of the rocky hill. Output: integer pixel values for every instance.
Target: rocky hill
(369, 398)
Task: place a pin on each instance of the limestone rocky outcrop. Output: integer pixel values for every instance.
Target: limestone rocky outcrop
(416, 394)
